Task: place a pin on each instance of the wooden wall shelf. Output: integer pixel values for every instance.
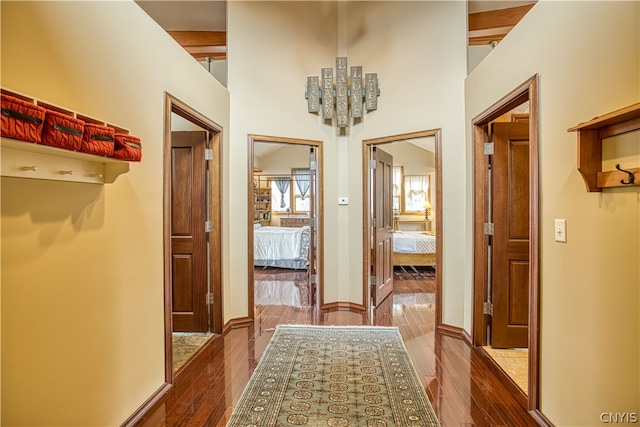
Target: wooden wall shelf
(22, 159)
(590, 136)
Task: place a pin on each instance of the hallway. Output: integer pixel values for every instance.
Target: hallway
(461, 387)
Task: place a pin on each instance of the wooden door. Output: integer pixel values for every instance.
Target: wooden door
(188, 234)
(382, 224)
(510, 241)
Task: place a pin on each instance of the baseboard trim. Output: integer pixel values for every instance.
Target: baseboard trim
(240, 322)
(342, 306)
(540, 418)
(452, 331)
(147, 406)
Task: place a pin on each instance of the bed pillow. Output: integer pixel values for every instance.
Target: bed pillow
(256, 225)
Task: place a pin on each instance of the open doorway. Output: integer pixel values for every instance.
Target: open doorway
(192, 243)
(506, 307)
(285, 238)
(412, 198)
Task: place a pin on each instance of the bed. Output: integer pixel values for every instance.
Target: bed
(283, 247)
(417, 248)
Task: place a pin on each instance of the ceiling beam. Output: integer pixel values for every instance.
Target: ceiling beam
(202, 44)
(494, 25)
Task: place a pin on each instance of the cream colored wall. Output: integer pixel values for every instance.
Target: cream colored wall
(284, 159)
(276, 45)
(82, 264)
(587, 59)
(273, 46)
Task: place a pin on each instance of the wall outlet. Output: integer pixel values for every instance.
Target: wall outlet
(561, 230)
(343, 200)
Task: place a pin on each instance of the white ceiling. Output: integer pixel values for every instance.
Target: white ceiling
(206, 15)
(211, 15)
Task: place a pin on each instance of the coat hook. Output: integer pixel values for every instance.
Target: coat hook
(67, 172)
(631, 177)
(29, 168)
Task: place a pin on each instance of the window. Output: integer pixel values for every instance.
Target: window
(291, 194)
(416, 192)
(410, 192)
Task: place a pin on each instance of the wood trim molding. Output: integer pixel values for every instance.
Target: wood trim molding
(240, 322)
(343, 306)
(175, 106)
(367, 144)
(202, 44)
(147, 406)
(251, 139)
(451, 331)
(540, 418)
(494, 25)
(527, 91)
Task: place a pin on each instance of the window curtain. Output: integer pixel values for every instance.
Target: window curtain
(397, 180)
(301, 177)
(416, 188)
(283, 185)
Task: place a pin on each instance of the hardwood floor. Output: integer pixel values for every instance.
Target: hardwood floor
(462, 388)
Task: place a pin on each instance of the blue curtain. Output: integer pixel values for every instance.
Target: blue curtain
(302, 181)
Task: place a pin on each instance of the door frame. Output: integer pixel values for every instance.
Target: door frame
(319, 252)
(367, 144)
(527, 91)
(214, 238)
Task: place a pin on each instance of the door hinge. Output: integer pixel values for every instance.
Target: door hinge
(209, 297)
(372, 164)
(373, 280)
(487, 308)
(208, 154)
(488, 148)
(313, 165)
(313, 222)
(374, 222)
(488, 228)
(208, 226)
(314, 279)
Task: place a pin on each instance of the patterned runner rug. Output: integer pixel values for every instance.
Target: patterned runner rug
(334, 376)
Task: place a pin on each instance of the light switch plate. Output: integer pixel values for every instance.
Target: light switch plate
(343, 200)
(561, 230)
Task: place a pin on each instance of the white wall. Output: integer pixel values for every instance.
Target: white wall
(587, 57)
(274, 46)
(82, 264)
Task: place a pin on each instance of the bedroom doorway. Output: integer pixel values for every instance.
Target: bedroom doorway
(192, 248)
(285, 223)
(415, 203)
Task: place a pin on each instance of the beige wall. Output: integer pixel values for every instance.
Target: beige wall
(274, 46)
(587, 59)
(82, 264)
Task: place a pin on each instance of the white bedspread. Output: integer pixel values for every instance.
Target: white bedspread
(272, 243)
(413, 242)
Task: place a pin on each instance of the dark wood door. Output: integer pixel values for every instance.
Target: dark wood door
(510, 241)
(188, 233)
(382, 224)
